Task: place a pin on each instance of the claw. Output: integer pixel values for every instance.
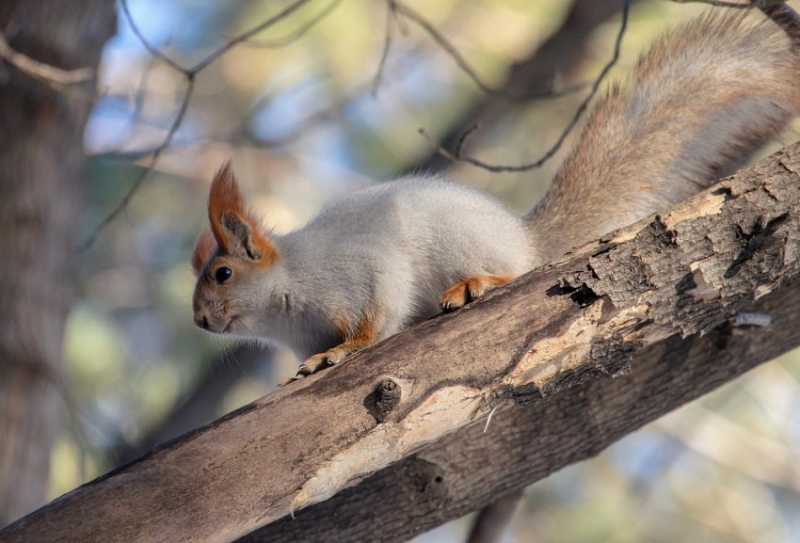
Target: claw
(291, 380)
(470, 289)
(320, 361)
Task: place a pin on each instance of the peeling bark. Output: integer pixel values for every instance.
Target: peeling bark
(648, 305)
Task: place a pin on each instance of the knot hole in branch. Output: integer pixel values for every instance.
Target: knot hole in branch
(384, 399)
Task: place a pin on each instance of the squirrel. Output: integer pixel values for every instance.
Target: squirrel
(701, 102)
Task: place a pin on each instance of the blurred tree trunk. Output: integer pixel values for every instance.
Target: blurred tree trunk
(41, 202)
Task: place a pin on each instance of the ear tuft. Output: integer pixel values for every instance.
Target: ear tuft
(204, 247)
(234, 229)
(225, 198)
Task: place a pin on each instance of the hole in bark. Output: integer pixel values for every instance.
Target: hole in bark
(759, 239)
(662, 234)
(584, 296)
(722, 190)
(560, 290)
(424, 479)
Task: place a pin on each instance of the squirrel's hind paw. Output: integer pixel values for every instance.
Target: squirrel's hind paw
(471, 288)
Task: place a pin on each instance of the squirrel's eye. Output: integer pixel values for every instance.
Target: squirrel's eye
(222, 274)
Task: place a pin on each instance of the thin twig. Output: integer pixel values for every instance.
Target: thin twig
(334, 110)
(42, 71)
(147, 45)
(141, 91)
(722, 4)
(145, 172)
(285, 12)
(450, 49)
(297, 34)
(463, 139)
(391, 13)
(489, 418)
(288, 10)
(457, 157)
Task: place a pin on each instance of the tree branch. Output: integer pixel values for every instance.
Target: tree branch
(41, 70)
(649, 305)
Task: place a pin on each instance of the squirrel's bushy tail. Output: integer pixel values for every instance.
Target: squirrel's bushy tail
(703, 100)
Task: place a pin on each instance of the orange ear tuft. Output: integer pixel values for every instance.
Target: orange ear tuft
(225, 197)
(204, 247)
(234, 229)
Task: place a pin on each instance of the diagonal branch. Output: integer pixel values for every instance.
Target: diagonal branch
(648, 305)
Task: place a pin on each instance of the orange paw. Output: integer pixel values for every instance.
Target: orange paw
(471, 288)
(325, 360)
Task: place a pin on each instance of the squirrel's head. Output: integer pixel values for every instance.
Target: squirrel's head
(232, 260)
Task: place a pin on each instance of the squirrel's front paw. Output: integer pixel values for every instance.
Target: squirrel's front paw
(319, 362)
(471, 288)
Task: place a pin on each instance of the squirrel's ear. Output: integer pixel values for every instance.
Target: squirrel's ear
(234, 229)
(204, 247)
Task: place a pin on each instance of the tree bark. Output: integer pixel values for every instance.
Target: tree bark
(42, 185)
(537, 354)
(525, 444)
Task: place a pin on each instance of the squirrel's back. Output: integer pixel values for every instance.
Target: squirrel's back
(424, 233)
(702, 101)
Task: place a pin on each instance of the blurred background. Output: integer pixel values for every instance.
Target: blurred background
(317, 106)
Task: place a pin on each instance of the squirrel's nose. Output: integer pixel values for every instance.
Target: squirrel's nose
(201, 321)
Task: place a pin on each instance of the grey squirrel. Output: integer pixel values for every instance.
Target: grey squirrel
(703, 99)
